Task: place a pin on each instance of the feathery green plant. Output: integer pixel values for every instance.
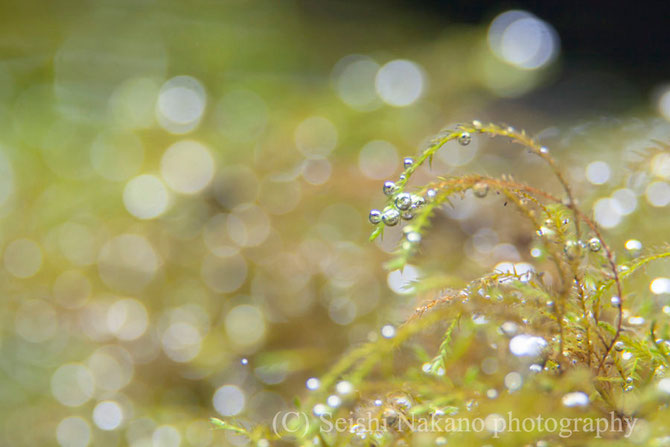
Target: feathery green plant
(561, 341)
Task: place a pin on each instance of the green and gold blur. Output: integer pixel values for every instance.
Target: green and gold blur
(185, 189)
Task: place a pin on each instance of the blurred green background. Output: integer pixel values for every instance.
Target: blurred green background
(184, 189)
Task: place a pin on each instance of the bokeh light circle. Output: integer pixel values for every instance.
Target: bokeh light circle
(187, 166)
(400, 83)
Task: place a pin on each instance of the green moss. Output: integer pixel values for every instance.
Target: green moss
(460, 354)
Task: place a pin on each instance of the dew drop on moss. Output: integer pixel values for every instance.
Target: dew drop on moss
(391, 217)
(389, 188)
(464, 138)
(634, 247)
(417, 202)
(344, 388)
(594, 244)
(403, 201)
(576, 399)
(413, 237)
(509, 328)
(401, 400)
(319, 410)
(480, 189)
(388, 331)
(375, 217)
(334, 401)
(313, 383)
(524, 345)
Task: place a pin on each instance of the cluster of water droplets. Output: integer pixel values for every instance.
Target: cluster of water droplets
(405, 205)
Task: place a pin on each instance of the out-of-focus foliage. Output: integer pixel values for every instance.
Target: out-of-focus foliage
(184, 190)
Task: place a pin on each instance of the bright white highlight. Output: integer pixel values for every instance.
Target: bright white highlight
(522, 40)
(181, 104)
(145, 197)
(400, 82)
(187, 166)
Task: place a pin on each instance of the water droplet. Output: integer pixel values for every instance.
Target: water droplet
(464, 139)
(378, 402)
(634, 247)
(391, 217)
(358, 430)
(509, 328)
(344, 388)
(527, 345)
(513, 381)
(594, 244)
(244, 361)
(544, 150)
(491, 393)
(413, 237)
(616, 301)
(402, 401)
(334, 401)
(408, 162)
(535, 368)
(576, 399)
(389, 188)
(628, 389)
(431, 194)
(418, 202)
(619, 346)
(480, 189)
(477, 124)
(375, 217)
(403, 201)
(407, 215)
(313, 383)
(388, 331)
(319, 410)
